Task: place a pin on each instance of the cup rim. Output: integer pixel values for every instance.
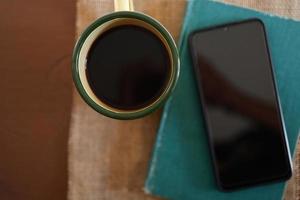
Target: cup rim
(134, 113)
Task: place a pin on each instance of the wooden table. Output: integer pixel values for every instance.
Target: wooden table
(108, 159)
(37, 39)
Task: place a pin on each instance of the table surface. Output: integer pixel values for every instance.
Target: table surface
(37, 39)
(108, 159)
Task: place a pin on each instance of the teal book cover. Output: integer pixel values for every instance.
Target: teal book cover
(181, 167)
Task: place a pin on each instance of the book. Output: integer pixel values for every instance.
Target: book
(181, 167)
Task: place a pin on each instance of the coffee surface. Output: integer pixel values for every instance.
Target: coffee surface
(128, 67)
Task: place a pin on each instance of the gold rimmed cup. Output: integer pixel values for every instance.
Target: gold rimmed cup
(105, 23)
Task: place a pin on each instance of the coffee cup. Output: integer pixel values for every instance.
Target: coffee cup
(125, 64)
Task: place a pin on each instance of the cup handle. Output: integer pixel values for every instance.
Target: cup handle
(123, 5)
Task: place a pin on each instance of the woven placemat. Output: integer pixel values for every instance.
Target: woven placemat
(108, 159)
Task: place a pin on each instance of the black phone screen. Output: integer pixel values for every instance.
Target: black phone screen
(240, 104)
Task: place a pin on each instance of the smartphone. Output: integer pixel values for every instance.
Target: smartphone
(240, 104)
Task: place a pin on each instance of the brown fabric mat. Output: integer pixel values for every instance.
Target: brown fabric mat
(108, 159)
(36, 94)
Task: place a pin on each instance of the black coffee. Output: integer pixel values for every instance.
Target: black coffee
(128, 67)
